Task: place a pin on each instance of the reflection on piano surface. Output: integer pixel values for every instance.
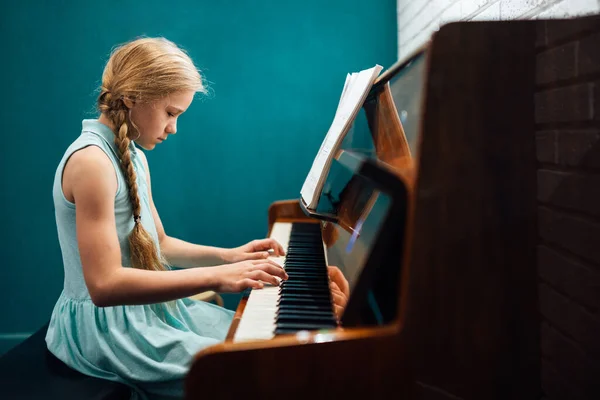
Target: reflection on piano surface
(364, 212)
(443, 300)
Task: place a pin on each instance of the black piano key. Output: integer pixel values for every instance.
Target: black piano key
(313, 278)
(289, 296)
(295, 311)
(309, 326)
(304, 260)
(299, 283)
(305, 269)
(305, 319)
(293, 301)
(308, 270)
(304, 266)
(306, 290)
(305, 285)
(302, 307)
(310, 265)
(308, 277)
(302, 300)
(316, 295)
(305, 245)
(306, 281)
(304, 263)
(281, 331)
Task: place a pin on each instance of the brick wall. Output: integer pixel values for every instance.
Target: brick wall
(567, 112)
(567, 107)
(418, 19)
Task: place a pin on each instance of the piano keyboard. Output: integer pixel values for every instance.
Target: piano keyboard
(303, 302)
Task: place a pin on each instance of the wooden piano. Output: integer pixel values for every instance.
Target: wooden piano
(456, 288)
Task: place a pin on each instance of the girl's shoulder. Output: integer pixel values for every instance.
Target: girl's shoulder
(91, 168)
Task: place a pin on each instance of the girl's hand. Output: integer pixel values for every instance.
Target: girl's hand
(248, 274)
(340, 290)
(254, 250)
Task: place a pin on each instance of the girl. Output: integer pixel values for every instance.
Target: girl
(124, 314)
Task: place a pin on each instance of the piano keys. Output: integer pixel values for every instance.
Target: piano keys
(303, 302)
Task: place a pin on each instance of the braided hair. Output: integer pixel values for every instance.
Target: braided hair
(143, 70)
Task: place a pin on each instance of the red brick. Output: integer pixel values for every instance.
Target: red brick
(573, 190)
(557, 64)
(577, 235)
(545, 147)
(581, 283)
(589, 55)
(566, 104)
(579, 148)
(572, 319)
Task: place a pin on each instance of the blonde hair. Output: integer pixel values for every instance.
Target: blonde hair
(143, 70)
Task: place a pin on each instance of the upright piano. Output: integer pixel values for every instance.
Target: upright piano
(430, 212)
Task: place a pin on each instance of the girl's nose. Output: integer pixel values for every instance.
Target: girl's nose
(172, 129)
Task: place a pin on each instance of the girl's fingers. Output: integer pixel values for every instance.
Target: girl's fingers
(250, 283)
(265, 277)
(338, 299)
(260, 255)
(339, 311)
(334, 286)
(273, 269)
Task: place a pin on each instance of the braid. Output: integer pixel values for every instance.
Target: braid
(144, 254)
(144, 70)
(122, 142)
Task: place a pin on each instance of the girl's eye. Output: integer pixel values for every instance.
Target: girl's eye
(170, 114)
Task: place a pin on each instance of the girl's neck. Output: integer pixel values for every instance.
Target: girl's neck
(103, 119)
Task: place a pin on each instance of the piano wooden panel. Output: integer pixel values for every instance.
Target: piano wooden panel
(468, 325)
(286, 211)
(471, 313)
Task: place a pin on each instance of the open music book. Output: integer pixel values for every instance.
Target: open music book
(356, 88)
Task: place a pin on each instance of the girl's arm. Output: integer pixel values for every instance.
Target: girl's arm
(89, 177)
(187, 255)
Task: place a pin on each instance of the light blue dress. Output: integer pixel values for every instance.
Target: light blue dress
(147, 347)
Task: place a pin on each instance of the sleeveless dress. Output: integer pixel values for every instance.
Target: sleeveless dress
(147, 347)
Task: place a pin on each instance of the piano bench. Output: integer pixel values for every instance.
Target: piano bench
(30, 371)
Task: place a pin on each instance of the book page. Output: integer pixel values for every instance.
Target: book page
(355, 91)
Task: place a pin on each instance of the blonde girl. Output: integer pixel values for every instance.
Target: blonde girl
(123, 314)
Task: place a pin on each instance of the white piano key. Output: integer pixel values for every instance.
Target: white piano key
(258, 319)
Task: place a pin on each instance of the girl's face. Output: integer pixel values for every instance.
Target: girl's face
(157, 120)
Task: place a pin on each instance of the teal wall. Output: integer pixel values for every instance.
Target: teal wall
(275, 70)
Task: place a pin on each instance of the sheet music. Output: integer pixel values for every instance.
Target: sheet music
(355, 90)
(348, 82)
(349, 79)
